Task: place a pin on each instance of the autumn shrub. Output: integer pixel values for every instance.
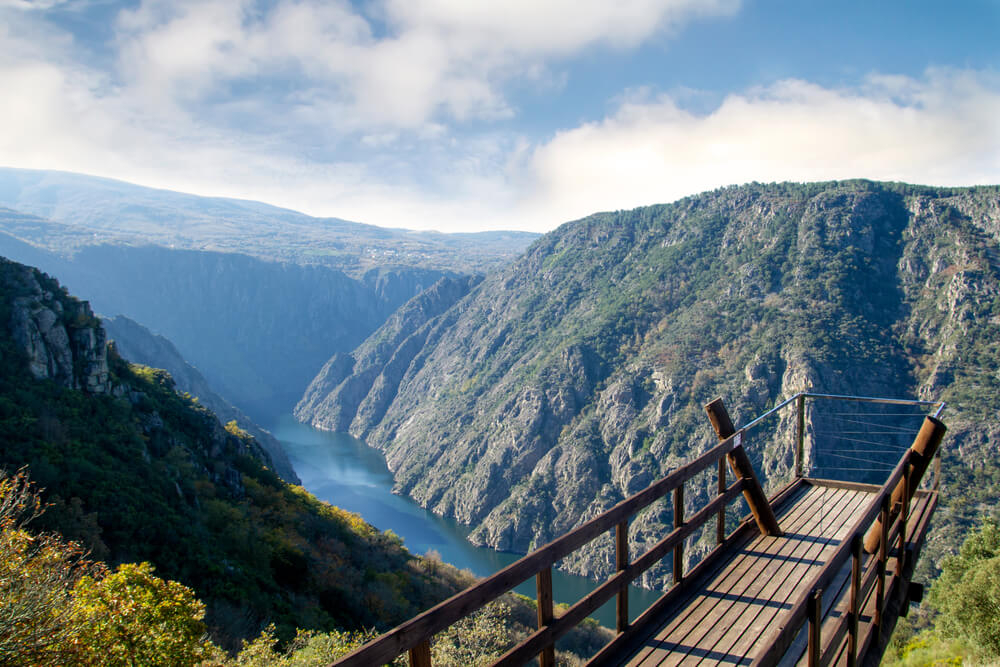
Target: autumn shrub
(59, 608)
(37, 573)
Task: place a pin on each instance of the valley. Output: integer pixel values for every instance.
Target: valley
(507, 404)
(344, 471)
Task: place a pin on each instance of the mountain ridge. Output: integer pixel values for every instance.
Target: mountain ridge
(99, 210)
(576, 375)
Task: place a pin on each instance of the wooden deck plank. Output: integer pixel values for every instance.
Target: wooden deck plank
(720, 623)
(782, 575)
(700, 603)
(724, 580)
(796, 654)
(697, 602)
(829, 536)
(633, 640)
(771, 573)
(713, 595)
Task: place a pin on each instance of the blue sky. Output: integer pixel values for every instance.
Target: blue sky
(461, 115)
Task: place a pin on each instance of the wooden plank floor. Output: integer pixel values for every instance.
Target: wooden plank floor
(723, 620)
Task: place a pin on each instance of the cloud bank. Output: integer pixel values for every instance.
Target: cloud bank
(401, 113)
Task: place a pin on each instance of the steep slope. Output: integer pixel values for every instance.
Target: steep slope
(360, 386)
(574, 377)
(97, 210)
(258, 330)
(136, 471)
(140, 345)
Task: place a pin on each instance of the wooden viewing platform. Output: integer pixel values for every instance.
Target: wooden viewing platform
(818, 575)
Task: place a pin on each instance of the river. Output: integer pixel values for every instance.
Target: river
(345, 472)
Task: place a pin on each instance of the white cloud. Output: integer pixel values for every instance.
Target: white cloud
(546, 28)
(941, 129)
(333, 114)
(31, 4)
(439, 58)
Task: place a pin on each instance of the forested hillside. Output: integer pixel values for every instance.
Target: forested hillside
(575, 376)
(137, 472)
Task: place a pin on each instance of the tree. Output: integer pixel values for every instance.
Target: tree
(967, 594)
(132, 617)
(37, 572)
(59, 608)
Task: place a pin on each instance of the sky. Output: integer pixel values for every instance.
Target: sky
(469, 115)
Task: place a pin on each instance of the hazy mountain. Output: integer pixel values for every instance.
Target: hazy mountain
(575, 376)
(258, 330)
(140, 345)
(96, 210)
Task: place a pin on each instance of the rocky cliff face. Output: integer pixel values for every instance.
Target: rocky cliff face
(575, 377)
(60, 337)
(352, 392)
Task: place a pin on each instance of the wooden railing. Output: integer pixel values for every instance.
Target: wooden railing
(884, 522)
(414, 635)
(887, 514)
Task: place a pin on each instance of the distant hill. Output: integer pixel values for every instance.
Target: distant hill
(98, 210)
(570, 379)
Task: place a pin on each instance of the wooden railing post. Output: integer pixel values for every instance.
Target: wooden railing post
(883, 556)
(742, 468)
(420, 655)
(678, 522)
(543, 586)
(800, 434)
(815, 622)
(921, 453)
(854, 611)
(904, 511)
(720, 528)
(621, 562)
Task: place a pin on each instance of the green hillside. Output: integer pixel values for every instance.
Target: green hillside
(137, 472)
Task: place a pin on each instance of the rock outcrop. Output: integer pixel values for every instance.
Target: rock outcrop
(62, 341)
(61, 338)
(352, 392)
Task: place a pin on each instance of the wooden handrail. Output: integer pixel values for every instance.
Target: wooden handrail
(863, 578)
(575, 614)
(784, 635)
(923, 448)
(884, 517)
(421, 628)
(754, 494)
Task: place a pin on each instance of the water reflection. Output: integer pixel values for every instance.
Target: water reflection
(347, 473)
